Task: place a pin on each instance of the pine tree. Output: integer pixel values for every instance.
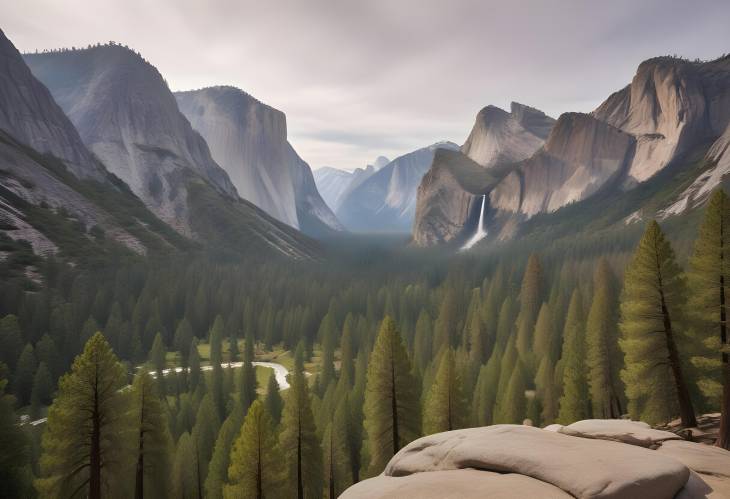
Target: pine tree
(485, 392)
(215, 338)
(445, 406)
(546, 391)
(76, 462)
(513, 407)
(299, 442)
(506, 321)
(183, 338)
(14, 450)
(24, 372)
(273, 401)
(392, 415)
(347, 349)
(603, 354)
(221, 458)
(153, 442)
(11, 341)
(247, 381)
(530, 300)
(157, 360)
(336, 451)
(575, 402)
(42, 390)
(186, 483)
(544, 341)
(205, 431)
(650, 316)
(709, 278)
(422, 341)
(194, 362)
(256, 461)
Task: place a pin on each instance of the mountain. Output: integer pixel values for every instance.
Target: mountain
(54, 194)
(386, 200)
(498, 138)
(335, 184)
(654, 149)
(249, 140)
(127, 116)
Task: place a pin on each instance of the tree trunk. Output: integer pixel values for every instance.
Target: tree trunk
(95, 453)
(686, 411)
(723, 439)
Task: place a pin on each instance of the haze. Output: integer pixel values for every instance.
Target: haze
(360, 79)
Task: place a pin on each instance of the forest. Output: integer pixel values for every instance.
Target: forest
(383, 343)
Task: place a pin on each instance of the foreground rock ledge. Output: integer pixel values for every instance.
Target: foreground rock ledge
(606, 459)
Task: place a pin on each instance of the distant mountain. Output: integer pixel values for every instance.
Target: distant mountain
(335, 184)
(654, 149)
(127, 116)
(249, 140)
(54, 193)
(386, 200)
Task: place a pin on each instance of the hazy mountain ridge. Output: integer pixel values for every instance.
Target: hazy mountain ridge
(249, 140)
(386, 200)
(335, 185)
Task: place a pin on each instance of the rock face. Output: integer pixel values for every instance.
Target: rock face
(591, 459)
(670, 106)
(498, 138)
(249, 140)
(128, 117)
(29, 113)
(672, 110)
(501, 137)
(386, 201)
(580, 156)
(335, 185)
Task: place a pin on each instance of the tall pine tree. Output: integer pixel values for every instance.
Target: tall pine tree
(575, 402)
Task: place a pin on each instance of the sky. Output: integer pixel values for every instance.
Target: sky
(359, 79)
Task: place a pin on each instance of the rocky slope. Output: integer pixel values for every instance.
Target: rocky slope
(28, 110)
(386, 201)
(53, 193)
(597, 459)
(249, 140)
(128, 117)
(673, 117)
(335, 184)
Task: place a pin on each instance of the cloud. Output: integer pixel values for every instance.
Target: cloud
(362, 78)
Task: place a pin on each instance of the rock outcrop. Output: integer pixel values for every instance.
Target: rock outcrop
(248, 139)
(589, 459)
(386, 200)
(500, 137)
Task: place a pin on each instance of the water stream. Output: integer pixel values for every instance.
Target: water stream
(481, 233)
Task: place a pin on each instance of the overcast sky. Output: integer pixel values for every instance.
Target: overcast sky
(357, 79)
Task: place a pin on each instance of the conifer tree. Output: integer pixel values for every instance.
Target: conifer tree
(24, 372)
(485, 392)
(709, 279)
(256, 462)
(347, 349)
(11, 341)
(530, 300)
(14, 450)
(445, 406)
(575, 402)
(215, 338)
(247, 382)
(513, 406)
(650, 316)
(194, 362)
(186, 482)
(544, 340)
(336, 452)
(546, 391)
(152, 439)
(183, 338)
(445, 327)
(422, 342)
(42, 389)
(299, 442)
(88, 462)
(221, 458)
(273, 401)
(157, 360)
(506, 321)
(205, 431)
(392, 415)
(603, 354)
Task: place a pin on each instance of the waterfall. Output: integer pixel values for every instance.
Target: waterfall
(481, 232)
